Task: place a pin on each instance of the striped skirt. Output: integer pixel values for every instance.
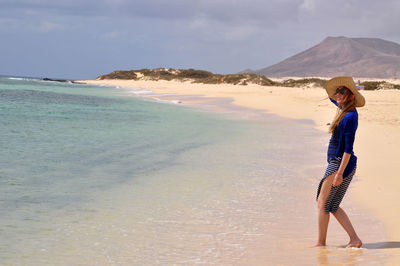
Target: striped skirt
(337, 192)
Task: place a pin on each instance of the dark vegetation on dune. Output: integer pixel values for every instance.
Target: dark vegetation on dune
(376, 85)
(206, 77)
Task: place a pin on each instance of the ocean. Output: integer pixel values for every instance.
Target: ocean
(93, 175)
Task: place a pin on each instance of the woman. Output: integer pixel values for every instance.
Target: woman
(342, 162)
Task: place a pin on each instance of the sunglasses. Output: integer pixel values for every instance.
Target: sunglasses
(341, 90)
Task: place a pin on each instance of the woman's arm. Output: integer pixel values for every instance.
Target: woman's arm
(338, 179)
(335, 103)
(349, 122)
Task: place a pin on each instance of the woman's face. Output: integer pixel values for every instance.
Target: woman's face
(342, 93)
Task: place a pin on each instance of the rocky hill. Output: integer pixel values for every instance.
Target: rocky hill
(337, 56)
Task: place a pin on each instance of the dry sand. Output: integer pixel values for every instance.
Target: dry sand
(377, 141)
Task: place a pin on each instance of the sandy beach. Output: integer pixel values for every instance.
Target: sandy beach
(376, 144)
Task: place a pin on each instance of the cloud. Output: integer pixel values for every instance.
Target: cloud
(219, 35)
(251, 14)
(46, 26)
(111, 35)
(229, 11)
(308, 6)
(255, 12)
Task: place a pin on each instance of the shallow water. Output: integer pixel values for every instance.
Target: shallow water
(90, 176)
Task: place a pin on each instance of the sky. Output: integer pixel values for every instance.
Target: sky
(82, 39)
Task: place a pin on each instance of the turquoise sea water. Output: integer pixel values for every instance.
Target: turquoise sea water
(92, 176)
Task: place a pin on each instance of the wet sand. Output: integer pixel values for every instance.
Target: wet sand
(376, 188)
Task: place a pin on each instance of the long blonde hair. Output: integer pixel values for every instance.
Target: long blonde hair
(349, 105)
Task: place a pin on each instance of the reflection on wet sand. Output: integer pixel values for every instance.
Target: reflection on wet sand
(340, 256)
(331, 255)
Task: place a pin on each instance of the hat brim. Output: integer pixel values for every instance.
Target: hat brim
(332, 84)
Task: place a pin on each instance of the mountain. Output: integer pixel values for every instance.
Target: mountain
(337, 56)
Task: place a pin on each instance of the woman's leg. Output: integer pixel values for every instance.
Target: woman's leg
(323, 218)
(344, 220)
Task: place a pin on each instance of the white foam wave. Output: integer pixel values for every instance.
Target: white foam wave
(142, 92)
(167, 101)
(26, 79)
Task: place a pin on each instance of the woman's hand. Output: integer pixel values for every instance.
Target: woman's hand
(338, 179)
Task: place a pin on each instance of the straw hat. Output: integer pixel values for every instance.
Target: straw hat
(332, 84)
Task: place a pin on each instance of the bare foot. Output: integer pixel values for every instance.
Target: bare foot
(354, 244)
(318, 245)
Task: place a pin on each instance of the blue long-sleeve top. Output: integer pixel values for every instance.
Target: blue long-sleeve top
(343, 139)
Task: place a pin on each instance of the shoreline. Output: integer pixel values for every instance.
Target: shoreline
(376, 142)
